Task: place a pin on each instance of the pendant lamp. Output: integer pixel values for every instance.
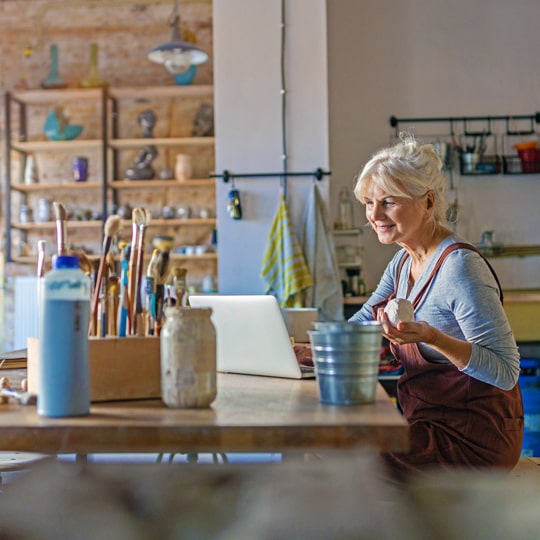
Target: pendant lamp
(177, 55)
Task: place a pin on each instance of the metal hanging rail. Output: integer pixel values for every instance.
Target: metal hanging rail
(533, 118)
(227, 176)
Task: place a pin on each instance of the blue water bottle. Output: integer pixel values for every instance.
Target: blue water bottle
(64, 310)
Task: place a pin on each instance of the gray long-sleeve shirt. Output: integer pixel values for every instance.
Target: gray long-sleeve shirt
(462, 301)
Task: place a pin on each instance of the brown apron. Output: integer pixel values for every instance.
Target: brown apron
(454, 419)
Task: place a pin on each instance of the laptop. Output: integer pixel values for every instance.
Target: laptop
(252, 337)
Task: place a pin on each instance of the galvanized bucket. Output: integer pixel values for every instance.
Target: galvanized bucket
(346, 358)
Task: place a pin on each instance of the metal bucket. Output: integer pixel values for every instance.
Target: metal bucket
(346, 358)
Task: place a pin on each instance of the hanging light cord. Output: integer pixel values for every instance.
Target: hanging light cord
(283, 104)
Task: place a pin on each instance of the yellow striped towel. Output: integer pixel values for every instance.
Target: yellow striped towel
(284, 268)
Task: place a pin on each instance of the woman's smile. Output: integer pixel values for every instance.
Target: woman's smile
(394, 219)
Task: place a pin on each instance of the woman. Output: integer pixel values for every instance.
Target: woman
(459, 391)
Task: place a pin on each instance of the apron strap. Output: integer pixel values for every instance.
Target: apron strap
(383, 303)
(449, 249)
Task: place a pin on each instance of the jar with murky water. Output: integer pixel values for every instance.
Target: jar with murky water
(188, 358)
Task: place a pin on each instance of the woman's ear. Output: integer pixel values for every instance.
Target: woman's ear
(430, 200)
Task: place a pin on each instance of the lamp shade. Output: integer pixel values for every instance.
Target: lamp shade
(177, 55)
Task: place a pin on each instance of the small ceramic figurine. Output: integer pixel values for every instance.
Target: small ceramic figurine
(142, 168)
(203, 125)
(147, 120)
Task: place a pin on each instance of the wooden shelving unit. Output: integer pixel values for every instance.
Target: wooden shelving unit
(106, 187)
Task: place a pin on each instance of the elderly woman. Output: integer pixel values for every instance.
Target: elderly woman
(459, 390)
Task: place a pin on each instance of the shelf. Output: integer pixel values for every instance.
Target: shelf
(151, 184)
(29, 147)
(53, 97)
(160, 92)
(190, 222)
(194, 258)
(475, 164)
(109, 187)
(497, 251)
(514, 165)
(347, 232)
(67, 185)
(205, 257)
(355, 299)
(126, 144)
(178, 257)
(46, 225)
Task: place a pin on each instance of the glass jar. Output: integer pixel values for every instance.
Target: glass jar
(25, 214)
(188, 358)
(44, 210)
(345, 219)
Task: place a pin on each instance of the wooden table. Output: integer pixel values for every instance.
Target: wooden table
(250, 414)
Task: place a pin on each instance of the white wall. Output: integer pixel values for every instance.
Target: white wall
(418, 58)
(247, 36)
(351, 65)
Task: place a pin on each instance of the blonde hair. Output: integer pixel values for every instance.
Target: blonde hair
(409, 170)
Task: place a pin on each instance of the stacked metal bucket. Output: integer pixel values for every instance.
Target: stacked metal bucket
(346, 358)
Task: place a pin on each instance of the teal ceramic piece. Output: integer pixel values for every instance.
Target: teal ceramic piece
(187, 76)
(54, 132)
(54, 80)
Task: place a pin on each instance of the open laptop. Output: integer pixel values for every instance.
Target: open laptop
(252, 337)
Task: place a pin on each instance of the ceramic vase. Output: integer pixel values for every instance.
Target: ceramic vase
(182, 168)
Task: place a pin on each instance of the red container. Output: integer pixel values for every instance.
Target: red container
(530, 160)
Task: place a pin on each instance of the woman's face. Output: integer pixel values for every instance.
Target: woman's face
(395, 219)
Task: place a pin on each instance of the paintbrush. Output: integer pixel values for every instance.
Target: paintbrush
(125, 250)
(61, 234)
(140, 220)
(152, 276)
(41, 245)
(85, 264)
(163, 261)
(145, 218)
(105, 313)
(178, 279)
(113, 289)
(137, 217)
(111, 228)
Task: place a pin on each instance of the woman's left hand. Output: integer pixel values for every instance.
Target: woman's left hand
(404, 332)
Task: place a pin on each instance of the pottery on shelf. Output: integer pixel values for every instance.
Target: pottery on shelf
(142, 168)
(182, 167)
(31, 175)
(93, 80)
(53, 80)
(203, 124)
(58, 128)
(147, 120)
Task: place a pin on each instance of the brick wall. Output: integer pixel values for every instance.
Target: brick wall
(125, 32)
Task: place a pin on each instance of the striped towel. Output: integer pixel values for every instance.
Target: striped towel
(284, 269)
(318, 246)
